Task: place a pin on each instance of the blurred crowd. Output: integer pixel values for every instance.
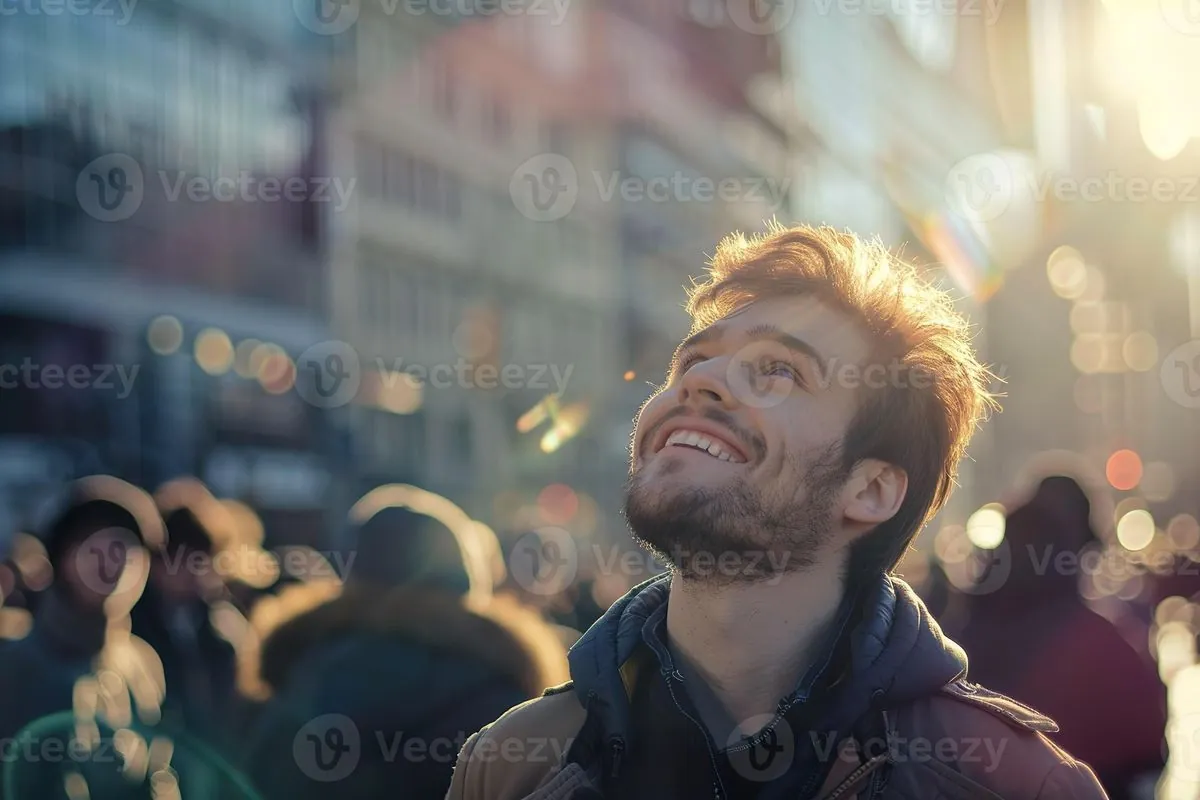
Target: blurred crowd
(156, 643)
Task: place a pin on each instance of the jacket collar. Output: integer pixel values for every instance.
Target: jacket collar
(895, 652)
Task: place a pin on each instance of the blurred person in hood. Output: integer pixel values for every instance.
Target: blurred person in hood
(806, 430)
(374, 690)
(1033, 637)
(96, 536)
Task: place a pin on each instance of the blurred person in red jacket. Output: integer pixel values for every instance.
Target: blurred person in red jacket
(1031, 636)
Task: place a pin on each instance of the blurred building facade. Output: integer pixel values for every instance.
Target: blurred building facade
(446, 119)
(113, 265)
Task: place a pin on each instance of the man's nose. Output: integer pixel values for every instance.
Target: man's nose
(705, 384)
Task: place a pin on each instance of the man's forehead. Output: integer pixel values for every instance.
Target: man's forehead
(830, 330)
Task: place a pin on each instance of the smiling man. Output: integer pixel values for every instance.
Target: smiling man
(807, 429)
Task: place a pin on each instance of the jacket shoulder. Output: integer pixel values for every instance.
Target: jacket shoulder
(1000, 705)
(968, 735)
(513, 755)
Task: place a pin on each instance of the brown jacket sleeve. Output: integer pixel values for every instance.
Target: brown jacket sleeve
(1071, 780)
(462, 784)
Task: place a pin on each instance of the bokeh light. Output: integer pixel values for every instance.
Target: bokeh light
(214, 351)
(1183, 532)
(244, 362)
(1087, 353)
(985, 528)
(1123, 470)
(1140, 351)
(1135, 530)
(165, 335)
(1067, 273)
(558, 504)
(277, 372)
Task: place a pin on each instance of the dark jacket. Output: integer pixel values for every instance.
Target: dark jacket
(376, 691)
(890, 716)
(199, 663)
(39, 675)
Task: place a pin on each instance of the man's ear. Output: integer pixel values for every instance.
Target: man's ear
(874, 492)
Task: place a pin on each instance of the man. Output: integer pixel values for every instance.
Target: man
(807, 429)
(96, 538)
(1035, 639)
(413, 655)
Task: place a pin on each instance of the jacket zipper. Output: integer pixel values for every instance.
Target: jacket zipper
(856, 777)
(718, 786)
(617, 746)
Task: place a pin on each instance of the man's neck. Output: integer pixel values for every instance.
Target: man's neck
(742, 648)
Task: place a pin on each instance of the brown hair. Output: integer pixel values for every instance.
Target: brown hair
(922, 426)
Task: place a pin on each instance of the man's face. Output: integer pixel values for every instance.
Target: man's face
(739, 456)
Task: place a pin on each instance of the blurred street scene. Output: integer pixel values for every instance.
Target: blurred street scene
(323, 324)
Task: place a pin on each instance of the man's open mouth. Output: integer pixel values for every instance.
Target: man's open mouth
(706, 443)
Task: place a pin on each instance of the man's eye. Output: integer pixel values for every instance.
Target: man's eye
(687, 361)
(780, 369)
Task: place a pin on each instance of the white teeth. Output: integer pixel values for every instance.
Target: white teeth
(701, 442)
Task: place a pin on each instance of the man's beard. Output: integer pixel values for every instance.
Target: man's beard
(737, 534)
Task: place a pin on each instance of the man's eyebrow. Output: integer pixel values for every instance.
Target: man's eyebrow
(710, 334)
(793, 343)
